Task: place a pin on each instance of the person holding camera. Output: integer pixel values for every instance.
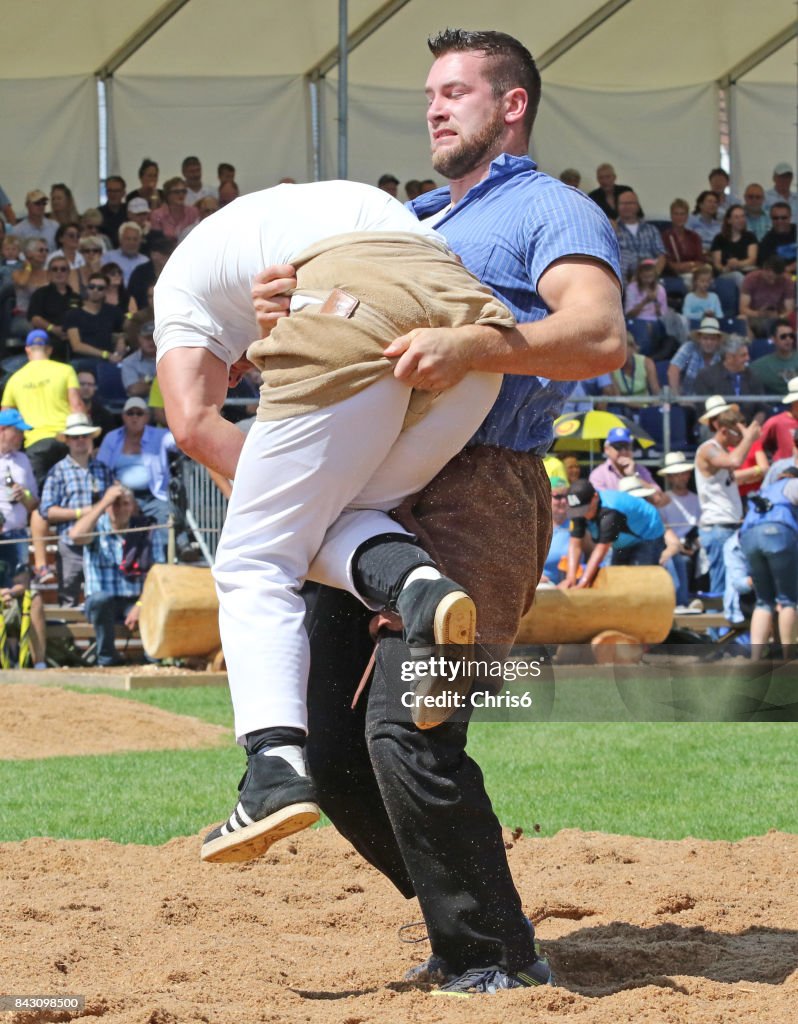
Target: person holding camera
(118, 550)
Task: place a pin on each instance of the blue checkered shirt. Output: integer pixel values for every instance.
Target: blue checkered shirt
(508, 229)
(103, 555)
(69, 485)
(690, 361)
(646, 244)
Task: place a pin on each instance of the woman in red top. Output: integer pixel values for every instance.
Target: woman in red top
(683, 247)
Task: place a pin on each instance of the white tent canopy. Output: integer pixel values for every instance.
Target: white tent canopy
(254, 82)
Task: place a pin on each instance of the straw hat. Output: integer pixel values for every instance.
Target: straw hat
(78, 424)
(714, 406)
(636, 486)
(675, 462)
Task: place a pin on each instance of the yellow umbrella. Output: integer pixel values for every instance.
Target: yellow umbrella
(586, 431)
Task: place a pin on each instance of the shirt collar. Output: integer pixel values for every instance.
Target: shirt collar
(504, 166)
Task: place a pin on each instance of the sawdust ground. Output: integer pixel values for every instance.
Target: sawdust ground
(688, 932)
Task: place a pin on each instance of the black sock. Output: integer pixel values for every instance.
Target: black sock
(276, 736)
(381, 565)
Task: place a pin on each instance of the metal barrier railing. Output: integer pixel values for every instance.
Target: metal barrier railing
(206, 507)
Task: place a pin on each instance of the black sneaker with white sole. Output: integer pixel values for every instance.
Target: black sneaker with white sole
(437, 616)
(274, 802)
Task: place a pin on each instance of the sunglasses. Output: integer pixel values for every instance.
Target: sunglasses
(39, 202)
(60, 270)
(134, 412)
(91, 250)
(779, 216)
(95, 287)
(787, 334)
(559, 497)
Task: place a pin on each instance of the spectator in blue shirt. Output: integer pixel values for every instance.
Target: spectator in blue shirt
(614, 520)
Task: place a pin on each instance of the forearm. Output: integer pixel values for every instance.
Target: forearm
(86, 521)
(576, 343)
(194, 385)
(594, 562)
(57, 514)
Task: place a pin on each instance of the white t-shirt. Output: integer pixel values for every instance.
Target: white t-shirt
(203, 296)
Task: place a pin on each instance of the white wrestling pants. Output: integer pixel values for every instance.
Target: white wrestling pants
(319, 484)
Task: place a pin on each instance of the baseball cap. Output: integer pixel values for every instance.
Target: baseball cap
(134, 403)
(636, 486)
(138, 205)
(35, 195)
(620, 435)
(12, 418)
(782, 168)
(37, 337)
(580, 494)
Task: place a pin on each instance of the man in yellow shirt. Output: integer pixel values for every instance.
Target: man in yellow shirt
(44, 392)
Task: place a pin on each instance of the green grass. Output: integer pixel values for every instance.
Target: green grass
(665, 780)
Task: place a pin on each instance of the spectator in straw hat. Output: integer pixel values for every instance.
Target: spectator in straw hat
(778, 432)
(694, 356)
(716, 463)
(72, 486)
(680, 517)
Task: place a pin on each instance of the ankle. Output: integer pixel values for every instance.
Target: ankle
(275, 736)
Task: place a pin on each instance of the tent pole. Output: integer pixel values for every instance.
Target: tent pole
(102, 136)
(315, 128)
(343, 74)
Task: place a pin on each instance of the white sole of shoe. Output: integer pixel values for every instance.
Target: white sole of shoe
(254, 840)
(456, 625)
(456, 619)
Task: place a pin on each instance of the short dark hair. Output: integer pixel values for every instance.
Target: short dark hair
(190, 160)
(780, 202)
(718, 170)
(146, 164)
(774, 263)
(701, 197)
(511, 65)
(225, 167)
(117, 178)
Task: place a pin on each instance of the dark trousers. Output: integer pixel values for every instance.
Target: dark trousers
(412, 802)
(104, 611)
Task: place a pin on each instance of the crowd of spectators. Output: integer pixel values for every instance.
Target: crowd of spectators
(710, 302)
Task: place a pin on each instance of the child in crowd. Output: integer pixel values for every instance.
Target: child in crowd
(645, 297)
(701, 301)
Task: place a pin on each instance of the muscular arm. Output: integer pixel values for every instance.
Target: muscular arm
(194, 386)
(584, 336)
